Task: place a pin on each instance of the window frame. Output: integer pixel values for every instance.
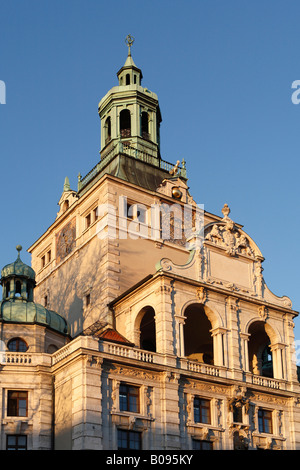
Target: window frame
(13, 403)
(199, 444)
(128, 401)
(19, 341)
(129, 433)
(265, 421)
(204, 410)
(16, 446)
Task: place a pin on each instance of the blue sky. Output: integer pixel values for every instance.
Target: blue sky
(223, 72)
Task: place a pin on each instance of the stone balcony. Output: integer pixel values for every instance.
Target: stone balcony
(113, 351)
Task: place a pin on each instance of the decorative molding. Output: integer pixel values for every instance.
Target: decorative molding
(226, 235)
(202, 294)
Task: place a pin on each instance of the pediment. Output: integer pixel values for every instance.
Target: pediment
(66, 200)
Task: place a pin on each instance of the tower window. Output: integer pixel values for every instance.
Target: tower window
(127, 79)
(107, 130)
(125, 123)
(145, 126)
(18, 289)
(88, 221)
(7, 288)
(17, 345)
(65, 206)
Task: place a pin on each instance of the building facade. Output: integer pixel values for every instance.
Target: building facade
(145, 321)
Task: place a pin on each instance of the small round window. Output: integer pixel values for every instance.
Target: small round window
(17, 345)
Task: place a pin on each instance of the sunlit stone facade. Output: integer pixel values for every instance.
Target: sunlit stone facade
(170, 338)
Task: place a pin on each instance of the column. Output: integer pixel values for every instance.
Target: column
(245, 351)
(234, 338)
(165, 319)
(218, 346)
(170, 411)
(277, 359)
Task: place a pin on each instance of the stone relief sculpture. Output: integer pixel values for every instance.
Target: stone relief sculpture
(226, 235)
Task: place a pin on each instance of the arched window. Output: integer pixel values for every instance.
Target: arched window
(198, 342)
(7, 289)
(145, 125)
(125, 123)
(18, 288)
(107, 128)
(29, 291)
(52, 349)
(17, 345)
(147, 330)
(260, 356)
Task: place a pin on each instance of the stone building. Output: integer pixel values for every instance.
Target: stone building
(166, 336)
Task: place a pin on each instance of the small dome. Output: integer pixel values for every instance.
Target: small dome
(18, 306)
(18, 268)
(20, 311)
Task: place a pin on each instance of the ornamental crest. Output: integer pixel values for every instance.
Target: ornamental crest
(226, 235)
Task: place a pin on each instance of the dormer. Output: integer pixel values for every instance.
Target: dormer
(67, 198)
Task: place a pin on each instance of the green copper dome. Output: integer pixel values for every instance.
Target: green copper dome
(18, 268)
(20, 311)
(18, 306)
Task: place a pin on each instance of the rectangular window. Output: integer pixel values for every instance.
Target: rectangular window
(202, 445)
(238, 414)
(43, 261)
(265, 421)
(88, 221)
(136, 212)
(201, 410)
(129, 398)
(130, 211)
(87, 300)
(95, 214)
(17, 403)
(129, 440)
(141, 214)
(16, 442)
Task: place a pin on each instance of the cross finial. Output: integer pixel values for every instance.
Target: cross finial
(129, 40)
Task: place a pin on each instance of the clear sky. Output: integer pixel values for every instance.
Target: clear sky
(223, 71)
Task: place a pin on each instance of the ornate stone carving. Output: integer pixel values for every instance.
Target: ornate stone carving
(226, 235)
(202, 295)
(263, 312)
(239, 400)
